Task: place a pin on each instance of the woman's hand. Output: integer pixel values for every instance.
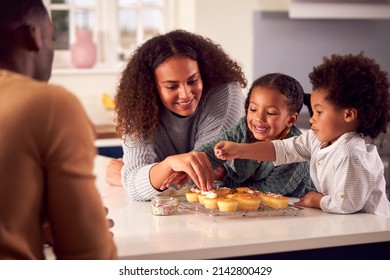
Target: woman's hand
(196, 165)
(180, 178)
(113, 172)
(226, 150)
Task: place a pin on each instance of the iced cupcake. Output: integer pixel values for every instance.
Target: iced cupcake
(210, 201)
(192, 195)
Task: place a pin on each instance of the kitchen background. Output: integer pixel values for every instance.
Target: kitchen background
(289, 36)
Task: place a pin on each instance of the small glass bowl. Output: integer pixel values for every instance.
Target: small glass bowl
(164, 205)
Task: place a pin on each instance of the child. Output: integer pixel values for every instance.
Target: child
(272, 108)
(350, 100)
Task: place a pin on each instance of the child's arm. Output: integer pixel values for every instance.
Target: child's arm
(263, 151)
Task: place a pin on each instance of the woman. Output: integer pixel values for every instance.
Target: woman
(178, 91)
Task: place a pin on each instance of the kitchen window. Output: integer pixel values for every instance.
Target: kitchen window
(115, 28)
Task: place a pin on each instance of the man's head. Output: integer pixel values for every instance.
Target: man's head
(26, 36)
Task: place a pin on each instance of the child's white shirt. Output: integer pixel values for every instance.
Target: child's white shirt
(349, 172)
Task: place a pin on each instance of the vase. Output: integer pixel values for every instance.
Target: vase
(83, 51)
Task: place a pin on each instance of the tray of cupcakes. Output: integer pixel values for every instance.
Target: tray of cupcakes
(242, 201)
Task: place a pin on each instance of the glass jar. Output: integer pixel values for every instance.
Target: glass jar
(164, 205)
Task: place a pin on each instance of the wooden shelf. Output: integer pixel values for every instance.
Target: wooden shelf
(104, 131)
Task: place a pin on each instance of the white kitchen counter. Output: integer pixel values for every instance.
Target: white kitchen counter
(140, 235)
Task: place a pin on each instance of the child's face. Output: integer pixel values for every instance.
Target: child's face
(328, 122)
(268, 114)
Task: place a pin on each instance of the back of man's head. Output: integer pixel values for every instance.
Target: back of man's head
(14, 14)
(26, 36)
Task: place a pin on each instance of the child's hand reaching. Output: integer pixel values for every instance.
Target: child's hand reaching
(226, 150)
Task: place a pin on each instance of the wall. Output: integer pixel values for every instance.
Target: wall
(227, 22)
(88, 86)
(230, 23)
(295, 46)
(239, 27)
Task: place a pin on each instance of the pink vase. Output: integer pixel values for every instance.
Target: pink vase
(83, 51)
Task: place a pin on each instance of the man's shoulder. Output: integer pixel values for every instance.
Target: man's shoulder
(38, 95)
(53, 95)
(39, 89)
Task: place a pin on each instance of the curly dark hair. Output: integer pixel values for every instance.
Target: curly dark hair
(286, 85)
(355, 81)
(137, 100)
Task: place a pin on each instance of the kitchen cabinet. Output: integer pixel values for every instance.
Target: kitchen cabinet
(107, 141)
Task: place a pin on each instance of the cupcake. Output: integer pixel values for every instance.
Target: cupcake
(248, 203)
(227, 205)
(221, 192)
(242, 189)
(237, 195)
(210, 201)
(202, 196)
(273, 200)
(192, 195)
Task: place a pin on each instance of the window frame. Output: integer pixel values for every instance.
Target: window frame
(105, 33)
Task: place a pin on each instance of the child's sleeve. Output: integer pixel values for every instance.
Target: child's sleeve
(293, 149)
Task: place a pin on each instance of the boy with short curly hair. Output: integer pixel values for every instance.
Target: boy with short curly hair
(350, 100)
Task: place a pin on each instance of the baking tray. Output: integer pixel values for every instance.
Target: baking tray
(263, 210)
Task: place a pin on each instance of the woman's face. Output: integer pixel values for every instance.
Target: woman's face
(268, 114)
(179, 85)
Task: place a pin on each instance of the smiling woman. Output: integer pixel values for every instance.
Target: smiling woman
(178, 91)
(182, 95)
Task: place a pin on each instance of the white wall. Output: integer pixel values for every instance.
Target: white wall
(88, 86)
(227, 22)
(230, 23)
